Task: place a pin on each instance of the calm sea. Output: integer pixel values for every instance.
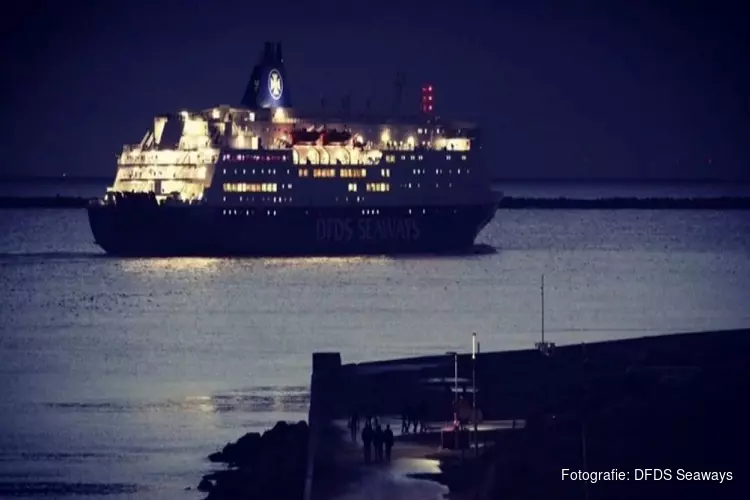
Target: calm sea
(121, 375)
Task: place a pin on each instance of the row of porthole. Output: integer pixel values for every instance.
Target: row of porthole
(376, 211)
(373, 211)
(247, 212)
(438, 171)
(271, 171)
(275, 199)
(240, 157)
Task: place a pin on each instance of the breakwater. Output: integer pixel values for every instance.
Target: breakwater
(666, 403)
(43, 202)
(507, 203)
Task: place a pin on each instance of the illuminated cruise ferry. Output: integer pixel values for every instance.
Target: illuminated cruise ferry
(258, 179)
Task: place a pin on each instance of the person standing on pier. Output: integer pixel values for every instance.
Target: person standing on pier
(378, 442)
(354, 426)
(422, 415)
(388, 439)
(405, 419)
(367, 440)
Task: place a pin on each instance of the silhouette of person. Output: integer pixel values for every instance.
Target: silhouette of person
(405, 420)
(367, 441)
(378, 442)
(354, 426)
(388, 440)
(422, 416)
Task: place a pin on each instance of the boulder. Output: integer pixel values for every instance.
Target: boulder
(272, 465)
(205, 485)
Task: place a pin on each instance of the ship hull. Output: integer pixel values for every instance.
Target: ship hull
(208, 231)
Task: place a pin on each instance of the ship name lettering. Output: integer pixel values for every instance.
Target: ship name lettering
(389, 229)
(333, 229)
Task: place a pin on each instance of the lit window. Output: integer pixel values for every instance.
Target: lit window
(463, 157)
(447, 157)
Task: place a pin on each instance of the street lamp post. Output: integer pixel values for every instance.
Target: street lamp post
(455, 380)
(474, 391)
(455, 394)
(455, 377)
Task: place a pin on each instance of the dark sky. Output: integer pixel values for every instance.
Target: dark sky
(595, 89)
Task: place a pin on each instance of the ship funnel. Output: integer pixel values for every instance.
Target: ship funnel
(268, 87)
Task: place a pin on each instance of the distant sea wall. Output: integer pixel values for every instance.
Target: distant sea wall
(721, 203)
(508, 203)
(43, 202)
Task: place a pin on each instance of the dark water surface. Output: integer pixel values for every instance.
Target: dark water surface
(120, 375)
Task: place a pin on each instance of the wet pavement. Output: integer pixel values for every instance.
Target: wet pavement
(392, 480)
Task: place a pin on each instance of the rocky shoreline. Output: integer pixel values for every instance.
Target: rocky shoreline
(261, 466)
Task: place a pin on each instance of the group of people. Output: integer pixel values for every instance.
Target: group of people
(375, 440)
(414, 417)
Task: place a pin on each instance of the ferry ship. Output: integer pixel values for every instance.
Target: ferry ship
(258, 179)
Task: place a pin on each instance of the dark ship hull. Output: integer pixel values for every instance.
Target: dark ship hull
(162, 230)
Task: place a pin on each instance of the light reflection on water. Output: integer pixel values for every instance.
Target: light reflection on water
(170, 264)
(140, 368)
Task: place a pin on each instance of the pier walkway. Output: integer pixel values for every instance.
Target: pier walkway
(388, 480)
(378, 389)
(598, 406)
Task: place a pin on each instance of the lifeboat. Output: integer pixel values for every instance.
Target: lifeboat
(336, 137)
(300, 136)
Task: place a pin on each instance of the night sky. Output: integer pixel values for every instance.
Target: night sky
(596, 89)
